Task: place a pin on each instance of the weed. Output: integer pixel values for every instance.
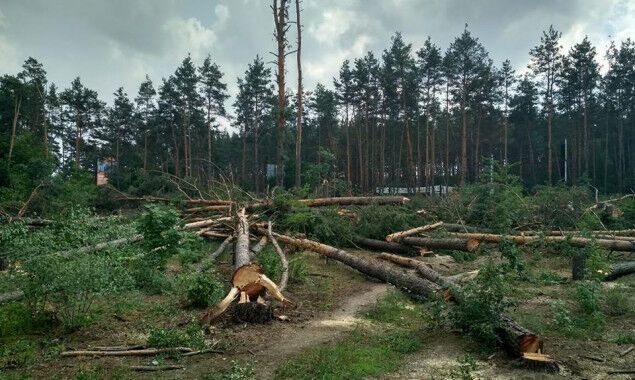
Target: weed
(298, 270)
(396, 309)
(466, 365)
(624, 339)
(588, 295)
(157, 225)
(236, 371)
(514, 255)
(618, 302)
(562, 319)
(18, 354)
(190, 336)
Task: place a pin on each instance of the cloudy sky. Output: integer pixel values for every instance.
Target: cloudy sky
(112, 43)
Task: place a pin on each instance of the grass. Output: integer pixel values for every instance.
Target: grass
(365, 352)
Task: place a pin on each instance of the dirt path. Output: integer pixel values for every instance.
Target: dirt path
(326, 328)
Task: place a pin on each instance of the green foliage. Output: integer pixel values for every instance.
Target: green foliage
(72, 286)
(270, 263)
(624, 339)
(204, 289)
(18, 354)
(482, 304)
(359, 357)
(596, 264)
(466, 365)
(150, 280)
(158, 226)
(588, 295)
(376, 221)
(562, 319)
(514, 255)
(189, 336)
(560, 206)
(496, 202)
(324, 225)
(298, 270)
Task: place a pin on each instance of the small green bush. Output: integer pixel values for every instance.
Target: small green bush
(588, 295)
(466, 365)
(19, 354)
(158, 225)
(204, 289)
(617, 301)
(298, 270)
(482, 304)
(270, 263)
(376, 221)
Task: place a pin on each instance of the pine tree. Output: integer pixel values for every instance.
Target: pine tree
(214, 96)
(546, 62)
(145, 108)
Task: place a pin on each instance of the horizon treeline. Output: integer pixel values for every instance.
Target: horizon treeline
(405, 118)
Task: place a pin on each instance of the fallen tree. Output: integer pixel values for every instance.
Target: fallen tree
(380, 245)
(514, 338)
(248, 282)
(413, 231)
(339, 201)
(614, 245)
(620, 269)
(11, 296)
(409, 283)
(467, 244)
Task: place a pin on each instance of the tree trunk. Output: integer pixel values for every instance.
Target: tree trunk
(467, 245)
(298, 132)
(620, 269)
(409, 283)
(279, 17)
(516, 339)
(14, 127)
(614, 245)
(380, 245)
(413, 231)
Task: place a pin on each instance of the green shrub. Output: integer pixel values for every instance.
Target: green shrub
(73, 286)
(204, 289)
(514, 255)
(562, 319)
(588, 295)
(324, 225)
(482, 304)
(19, 354)
(158, 226)
(466, 365)
(150, 280)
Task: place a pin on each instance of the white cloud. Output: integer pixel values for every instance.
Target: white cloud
(222, 14)
(328, 65)
(190, 36)
(334, 23)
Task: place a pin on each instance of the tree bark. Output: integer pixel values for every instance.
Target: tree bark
(298, 132)
(620, 269)
(467, 245)
(280, 18)
(409, 283)
(14, 127)
(380, 245)
(614, 245)
(11, 296)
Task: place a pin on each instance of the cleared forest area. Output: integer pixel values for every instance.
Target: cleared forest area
(503, 283)
(441, 216)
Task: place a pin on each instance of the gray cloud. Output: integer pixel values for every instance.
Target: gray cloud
(116, 42)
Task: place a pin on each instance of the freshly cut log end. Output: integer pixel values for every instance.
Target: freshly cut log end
(539, 361)
(247, 279)
(529, 344)
(252, 312)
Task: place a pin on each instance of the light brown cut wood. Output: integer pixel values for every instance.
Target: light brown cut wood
(209, 208)
(413, 231)
(283, 259)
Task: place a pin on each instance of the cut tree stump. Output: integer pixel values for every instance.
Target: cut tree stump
(249, 283)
